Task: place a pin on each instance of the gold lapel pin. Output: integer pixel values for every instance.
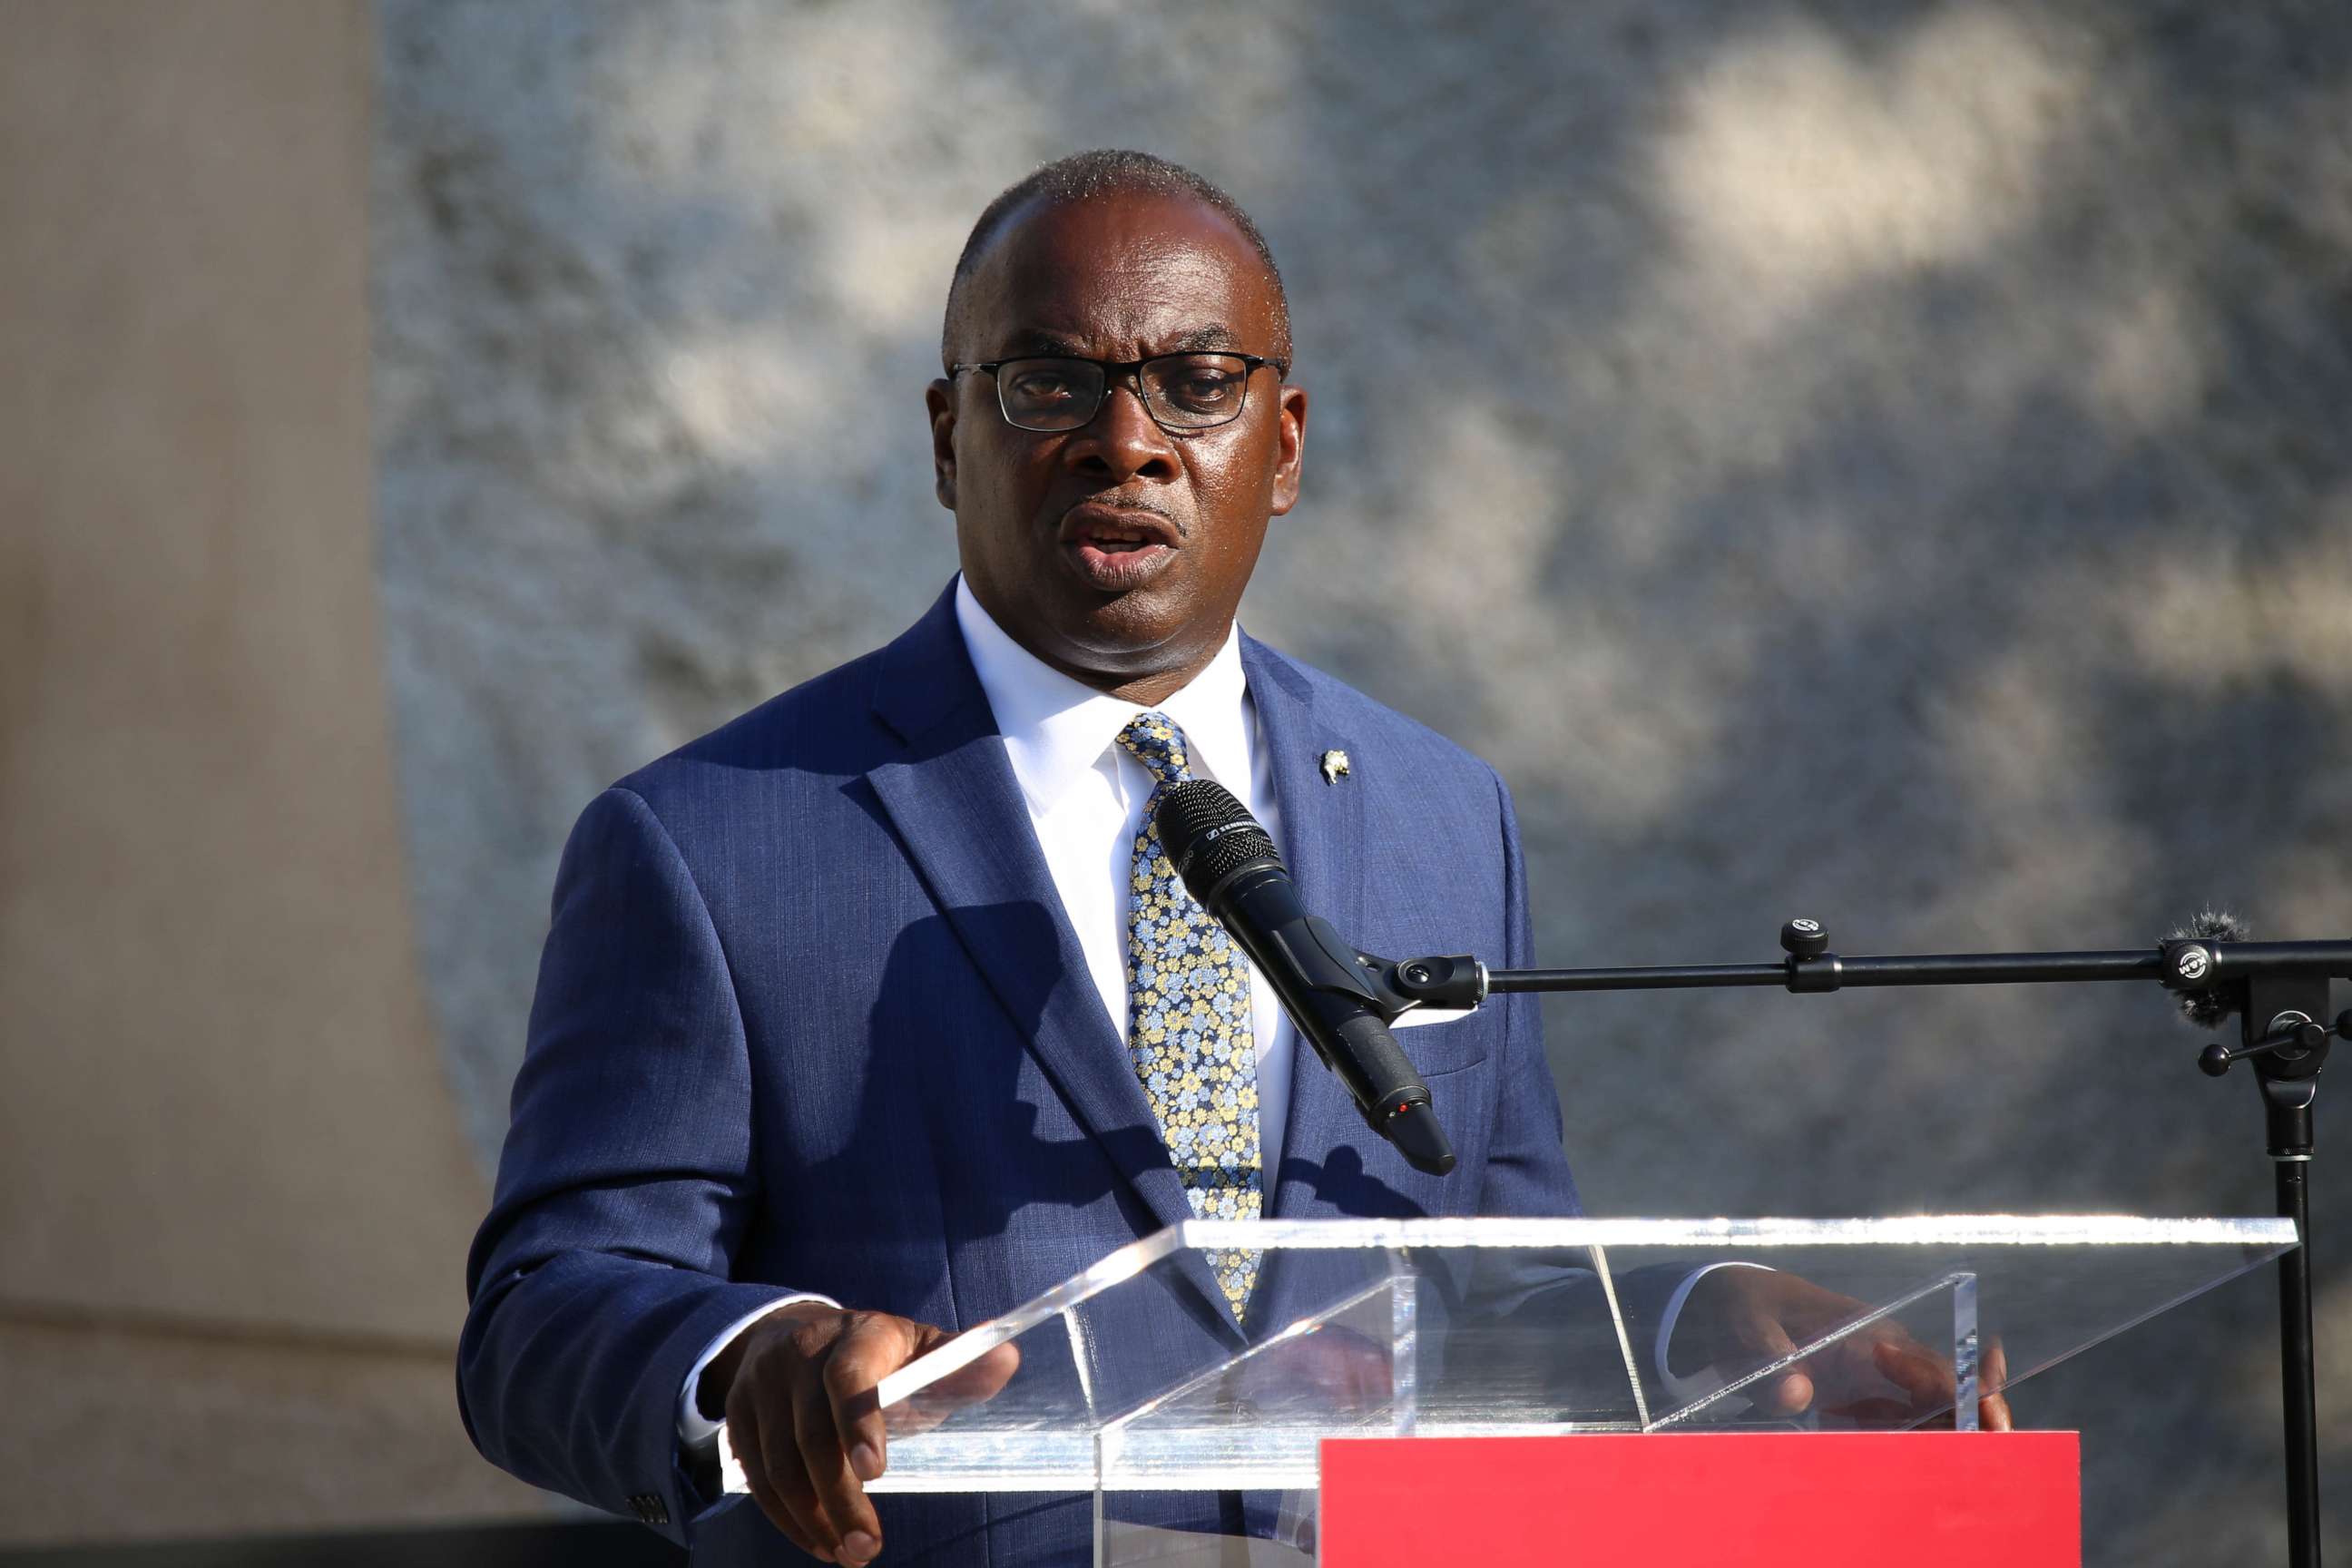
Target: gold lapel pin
(1334, 766)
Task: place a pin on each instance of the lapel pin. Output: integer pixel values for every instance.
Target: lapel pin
(1334, 766)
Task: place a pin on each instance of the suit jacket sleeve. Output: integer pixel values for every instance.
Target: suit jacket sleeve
(1527, 1163)
(602, 1271)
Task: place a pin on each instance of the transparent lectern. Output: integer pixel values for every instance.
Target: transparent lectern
(1129, 1379)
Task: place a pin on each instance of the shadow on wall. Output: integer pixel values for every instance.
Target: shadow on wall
(1875, 461)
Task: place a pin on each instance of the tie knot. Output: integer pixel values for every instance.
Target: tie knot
(1156, 742)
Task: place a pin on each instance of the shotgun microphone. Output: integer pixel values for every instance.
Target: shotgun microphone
(1231, 867)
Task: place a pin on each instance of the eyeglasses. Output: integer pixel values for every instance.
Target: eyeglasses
(1180, 391)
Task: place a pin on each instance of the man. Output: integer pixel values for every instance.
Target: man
(846, 1039)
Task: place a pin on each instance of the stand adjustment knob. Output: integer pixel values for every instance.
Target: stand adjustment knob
(1804, 939)
(2304, 1035)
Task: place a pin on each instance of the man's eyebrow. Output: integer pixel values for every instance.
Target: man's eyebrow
(1214, 335)
(1041, 341)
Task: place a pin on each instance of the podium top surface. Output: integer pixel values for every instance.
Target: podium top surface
(1884, 1230)
(1760, 1239)
(1135, 1373)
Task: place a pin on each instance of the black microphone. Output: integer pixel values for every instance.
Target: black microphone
(1231, 867)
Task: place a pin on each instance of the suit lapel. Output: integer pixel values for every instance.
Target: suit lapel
(953, 799)
(1322, 840)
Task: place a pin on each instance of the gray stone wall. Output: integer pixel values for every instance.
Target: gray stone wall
(1879, 461)
(235, 1187)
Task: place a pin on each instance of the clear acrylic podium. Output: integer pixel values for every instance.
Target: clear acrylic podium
(1128, 1378)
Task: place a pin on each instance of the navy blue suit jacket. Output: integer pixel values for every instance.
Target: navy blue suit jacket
(811, 1016)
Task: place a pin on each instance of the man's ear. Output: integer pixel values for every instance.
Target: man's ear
(1290, 448)
(940, 398)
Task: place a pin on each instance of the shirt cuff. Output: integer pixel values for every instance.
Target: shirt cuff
(1689, 1389)
(698, 1432)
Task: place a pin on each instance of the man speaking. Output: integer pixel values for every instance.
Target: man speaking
(860, 1021)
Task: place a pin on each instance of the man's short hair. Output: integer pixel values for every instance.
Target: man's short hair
(1107, 171)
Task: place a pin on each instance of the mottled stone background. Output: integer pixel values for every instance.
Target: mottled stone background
(1880, 461)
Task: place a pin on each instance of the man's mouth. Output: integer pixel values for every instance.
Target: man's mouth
(1114, 543)
(1116, 548)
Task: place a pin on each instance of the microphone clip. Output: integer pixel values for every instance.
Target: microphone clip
(1452, 982)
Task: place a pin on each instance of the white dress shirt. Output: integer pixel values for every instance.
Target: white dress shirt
(1086, 795)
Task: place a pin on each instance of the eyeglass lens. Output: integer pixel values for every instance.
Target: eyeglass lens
(1186, 390)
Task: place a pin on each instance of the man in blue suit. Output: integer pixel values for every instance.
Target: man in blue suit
(831, 1055)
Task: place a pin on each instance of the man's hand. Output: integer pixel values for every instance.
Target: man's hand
(797, 1389)
(1330, 1371)
(1739, 1319)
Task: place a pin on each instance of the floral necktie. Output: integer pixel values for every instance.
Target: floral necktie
(1189, 1032)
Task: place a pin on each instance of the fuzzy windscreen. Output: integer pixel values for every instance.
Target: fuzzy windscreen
(2210, 1008)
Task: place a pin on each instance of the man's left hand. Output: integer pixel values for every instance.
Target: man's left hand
(1738, 1319)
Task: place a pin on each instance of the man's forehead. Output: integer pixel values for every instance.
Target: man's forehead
(1169, 272)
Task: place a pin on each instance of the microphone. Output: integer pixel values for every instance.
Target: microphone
(1231, 867)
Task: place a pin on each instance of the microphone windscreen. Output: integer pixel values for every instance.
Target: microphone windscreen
(2210, 1008)
(1208, 833)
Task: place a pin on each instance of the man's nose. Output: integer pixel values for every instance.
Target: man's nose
(1123, 442)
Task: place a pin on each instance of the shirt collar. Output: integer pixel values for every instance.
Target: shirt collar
(1056, 728)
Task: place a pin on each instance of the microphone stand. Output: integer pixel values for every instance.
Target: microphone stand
(2278, 989)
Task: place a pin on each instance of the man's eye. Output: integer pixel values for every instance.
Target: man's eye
(1039, 386)
(1203, 389)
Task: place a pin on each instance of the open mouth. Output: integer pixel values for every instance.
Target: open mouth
(1117, 548)
(1115, 543)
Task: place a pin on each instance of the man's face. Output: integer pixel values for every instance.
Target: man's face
(1117, 552)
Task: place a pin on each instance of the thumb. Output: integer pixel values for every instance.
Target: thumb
(1789, 1390)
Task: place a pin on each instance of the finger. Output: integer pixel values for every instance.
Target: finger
(1993, 1407)
(1789, 1393)
(744, 1437)
(986, 1377)
(1918, 1371)
(845, 1518)
(872, 1349)
(1790, 1390)
(768, 1398)
(1931, 1385)
(787, 1478)
(1751, 1311)
(796, 1492)
(983, 1379)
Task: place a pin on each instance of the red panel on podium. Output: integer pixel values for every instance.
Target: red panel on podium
(1770, 1500)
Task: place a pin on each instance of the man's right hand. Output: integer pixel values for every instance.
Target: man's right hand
(797, 1391)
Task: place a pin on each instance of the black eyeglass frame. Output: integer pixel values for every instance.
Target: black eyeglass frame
(1127, 373)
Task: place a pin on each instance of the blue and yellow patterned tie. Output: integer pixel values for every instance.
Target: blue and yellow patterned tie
(1188, 1034)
